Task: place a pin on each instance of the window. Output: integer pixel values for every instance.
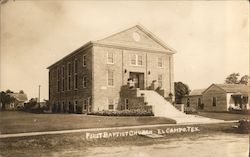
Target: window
(139, 60)
(63, 78)
(75, 74)
(84, 60)
(188, 102)
(85, 104)
(160, 80)
(110, 78)
(110, 57)
(111, 104)
(58, 80)
(214, 101)
(69, 76)
(133, 59)
(126, 103)
(136, 59)
(84, 82)
(160, 62)
(75, 66)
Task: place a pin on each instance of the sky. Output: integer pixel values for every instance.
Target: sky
(211, 37)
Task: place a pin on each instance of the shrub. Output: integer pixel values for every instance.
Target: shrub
(123, 113)
(244, 126)
(190, 110)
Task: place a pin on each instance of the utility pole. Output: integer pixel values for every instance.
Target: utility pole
(39, 86)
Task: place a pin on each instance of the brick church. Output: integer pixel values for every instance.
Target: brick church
(93, 77)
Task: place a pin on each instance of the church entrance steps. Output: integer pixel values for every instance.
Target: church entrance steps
(163, 108)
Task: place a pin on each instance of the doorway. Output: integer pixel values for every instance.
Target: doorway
(138, 79)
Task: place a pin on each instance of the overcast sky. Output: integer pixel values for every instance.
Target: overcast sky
(211, 37)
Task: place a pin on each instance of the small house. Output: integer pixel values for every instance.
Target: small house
(225, 97)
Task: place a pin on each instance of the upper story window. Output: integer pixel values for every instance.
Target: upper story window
(84, 61)
(75, 74)
(139, 59)
(69, 76)
(110, 58)
(75, 66)
(58, 80)
(160, 62)
(136, 59)
(110, 78)
(133, 59)
(63, 78)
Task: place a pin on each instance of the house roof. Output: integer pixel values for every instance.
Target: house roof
(197, 92)
(232, 88)
(19, 97)
(113, 40)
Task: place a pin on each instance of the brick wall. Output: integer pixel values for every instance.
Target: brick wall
(70, 96)
(122, 68)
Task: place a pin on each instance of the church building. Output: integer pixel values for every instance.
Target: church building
(93, 77)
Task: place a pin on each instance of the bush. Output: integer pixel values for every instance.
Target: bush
(244, 126)
(123, 113)
(190, 111)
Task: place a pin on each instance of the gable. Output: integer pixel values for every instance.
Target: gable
(213, 89)
(136, 37)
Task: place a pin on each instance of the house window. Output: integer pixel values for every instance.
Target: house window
(126, 104)
(84, 60)
(136, 59)
(214, 101)
(160, 80)
(111, 104)
(84, 82)
(110, 78)
(85, 104)
(110, 58)
(160, 62)
(75, 74)
(188, 102)
(69, 76)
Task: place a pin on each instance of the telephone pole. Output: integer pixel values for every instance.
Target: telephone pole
(39, 86)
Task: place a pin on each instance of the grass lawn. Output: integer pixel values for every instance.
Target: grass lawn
(17, 122)
(45, 144)
(224, 116)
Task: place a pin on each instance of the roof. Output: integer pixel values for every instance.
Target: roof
(112, 41)
(196, 92)
(19, 97)
(232, 88)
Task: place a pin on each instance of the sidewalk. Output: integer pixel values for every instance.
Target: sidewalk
(103, 129)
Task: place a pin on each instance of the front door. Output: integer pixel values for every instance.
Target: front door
(138, 79)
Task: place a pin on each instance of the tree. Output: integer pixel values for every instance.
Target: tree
(5, 99)
(234, 79)
(181, 90)
(9, 91)
(244, 80)
(21, 92)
